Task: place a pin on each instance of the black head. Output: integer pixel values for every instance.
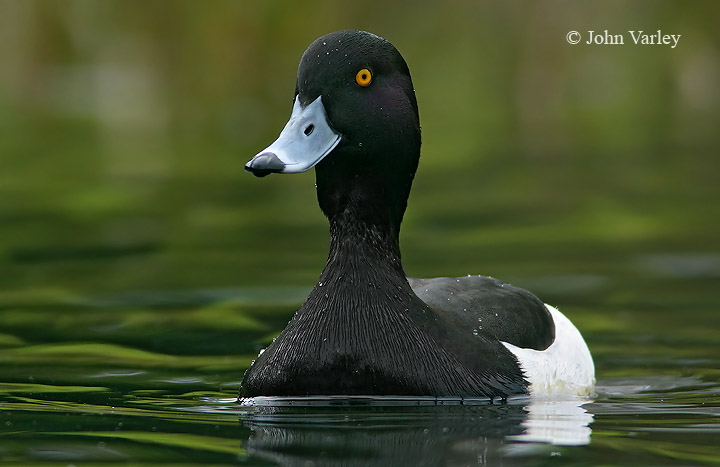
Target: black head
(369, 154)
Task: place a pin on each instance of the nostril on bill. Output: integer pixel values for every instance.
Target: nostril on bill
(309, 129)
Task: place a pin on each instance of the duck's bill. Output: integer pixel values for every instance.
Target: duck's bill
(306, 139)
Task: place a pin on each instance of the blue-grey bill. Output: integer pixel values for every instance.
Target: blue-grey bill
(306, 139)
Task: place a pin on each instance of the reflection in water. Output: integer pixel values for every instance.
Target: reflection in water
(407, 431)
(559, 422)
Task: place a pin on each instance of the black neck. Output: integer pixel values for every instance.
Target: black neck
(349, 198)
(364, 258)
(363, 276)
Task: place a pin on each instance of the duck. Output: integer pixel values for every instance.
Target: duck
(365, 327)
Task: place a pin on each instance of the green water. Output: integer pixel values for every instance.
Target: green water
(151, 377)
(141, 270)
(149, 374)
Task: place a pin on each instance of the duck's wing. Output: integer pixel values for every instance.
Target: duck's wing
(490, 307)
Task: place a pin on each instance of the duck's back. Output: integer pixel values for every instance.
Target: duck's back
(490, 307)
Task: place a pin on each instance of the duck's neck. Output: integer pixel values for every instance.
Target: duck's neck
(363, 265)
(361, 250)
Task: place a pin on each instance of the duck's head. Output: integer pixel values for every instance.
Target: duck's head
(354, 119)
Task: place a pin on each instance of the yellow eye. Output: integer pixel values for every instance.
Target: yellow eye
(363, 77)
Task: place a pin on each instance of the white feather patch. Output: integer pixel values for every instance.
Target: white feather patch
(564, 368)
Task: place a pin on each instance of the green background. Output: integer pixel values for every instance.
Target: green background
(124, 127)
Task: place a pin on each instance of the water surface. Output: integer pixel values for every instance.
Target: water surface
(153, 377)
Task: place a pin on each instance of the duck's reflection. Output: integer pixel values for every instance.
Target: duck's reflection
(358, 432)
(558, 422)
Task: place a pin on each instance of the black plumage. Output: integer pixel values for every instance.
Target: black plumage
(364, 329)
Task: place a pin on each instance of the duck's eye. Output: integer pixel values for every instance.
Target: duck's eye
(363, 77)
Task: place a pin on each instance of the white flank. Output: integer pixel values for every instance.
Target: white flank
(564, 368)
